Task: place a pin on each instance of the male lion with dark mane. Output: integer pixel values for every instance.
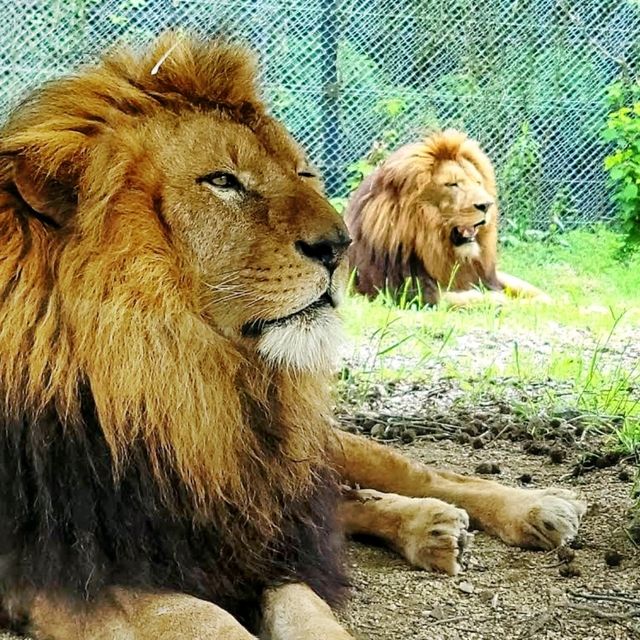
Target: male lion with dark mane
(428, 214)
(169, 275)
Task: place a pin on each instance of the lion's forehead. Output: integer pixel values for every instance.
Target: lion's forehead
(460, 170)
(205, 142)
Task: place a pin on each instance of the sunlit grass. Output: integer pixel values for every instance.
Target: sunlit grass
(596, 303)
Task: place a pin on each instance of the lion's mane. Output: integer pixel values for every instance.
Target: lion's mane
(137, 446)
(399, 234)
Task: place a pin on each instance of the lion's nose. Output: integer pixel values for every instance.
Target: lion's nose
(327, 250)
(483, 206)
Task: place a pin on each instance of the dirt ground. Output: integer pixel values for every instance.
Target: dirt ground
(508, 593)
(504, 593)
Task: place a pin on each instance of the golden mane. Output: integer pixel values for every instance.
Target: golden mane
(398, 230)
(97, 296)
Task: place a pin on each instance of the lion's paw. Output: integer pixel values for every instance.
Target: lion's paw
(434, 535)
(543, 518)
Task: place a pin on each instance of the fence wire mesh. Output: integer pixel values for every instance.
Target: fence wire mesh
(352, 78)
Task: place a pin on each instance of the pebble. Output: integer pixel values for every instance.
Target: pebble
(377, 431)
(570, 570)
(613, 558)
(488, 468)
(465, 587)
(566, 554)
(408, 435)
(624, 475)
(557, 455)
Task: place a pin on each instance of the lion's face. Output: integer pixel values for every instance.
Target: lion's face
(161, 176)
(266, 244)
(457, 191)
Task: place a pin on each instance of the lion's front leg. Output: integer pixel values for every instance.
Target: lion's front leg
(123, 614)
(472, 298)
(295, 612)
(517, 288)
(429, 533)
(539, 519)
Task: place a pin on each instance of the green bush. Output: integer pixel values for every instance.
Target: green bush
(623, 162)
(519, 183)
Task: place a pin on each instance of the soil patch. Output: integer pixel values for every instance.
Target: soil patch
(508, 593)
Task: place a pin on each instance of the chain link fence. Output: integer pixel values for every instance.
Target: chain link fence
(355, 78)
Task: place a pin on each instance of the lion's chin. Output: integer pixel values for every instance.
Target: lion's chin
(305, 342)
(468, 251)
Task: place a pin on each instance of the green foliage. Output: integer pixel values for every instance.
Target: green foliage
(623, 162)
(390, 109)
(519, 183)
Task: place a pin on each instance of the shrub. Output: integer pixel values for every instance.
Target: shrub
(623, 162)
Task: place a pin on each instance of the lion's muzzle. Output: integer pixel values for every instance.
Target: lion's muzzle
(465, 234)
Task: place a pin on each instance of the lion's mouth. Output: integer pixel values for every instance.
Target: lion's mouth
(255, 328)
(465, 234)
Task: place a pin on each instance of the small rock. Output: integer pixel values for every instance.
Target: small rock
(408, 435)
(381, 391)
(613, 558)
(535, 448)
(437, 613)
(377, 431)
(570, 570)
(624, 475)
(465, 587)
(477, 443)
(488, 468)
(525, 478)
(566, 554)
(557, 455)
(487, 595)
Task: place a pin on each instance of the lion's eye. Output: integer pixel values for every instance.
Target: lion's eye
(450, 184)
(306, 174)
(222, 180)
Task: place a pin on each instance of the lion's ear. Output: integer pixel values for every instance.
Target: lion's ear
(45, 195)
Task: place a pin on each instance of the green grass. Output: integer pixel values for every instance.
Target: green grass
(596, 312)
(584, 269)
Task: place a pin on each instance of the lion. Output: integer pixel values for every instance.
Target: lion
(170, 278)
(425, 225)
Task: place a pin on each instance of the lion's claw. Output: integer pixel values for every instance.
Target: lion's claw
(435, 535)
(543, 518)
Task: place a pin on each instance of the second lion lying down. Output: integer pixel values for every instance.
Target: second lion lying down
(425, 224)
(170, 271)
